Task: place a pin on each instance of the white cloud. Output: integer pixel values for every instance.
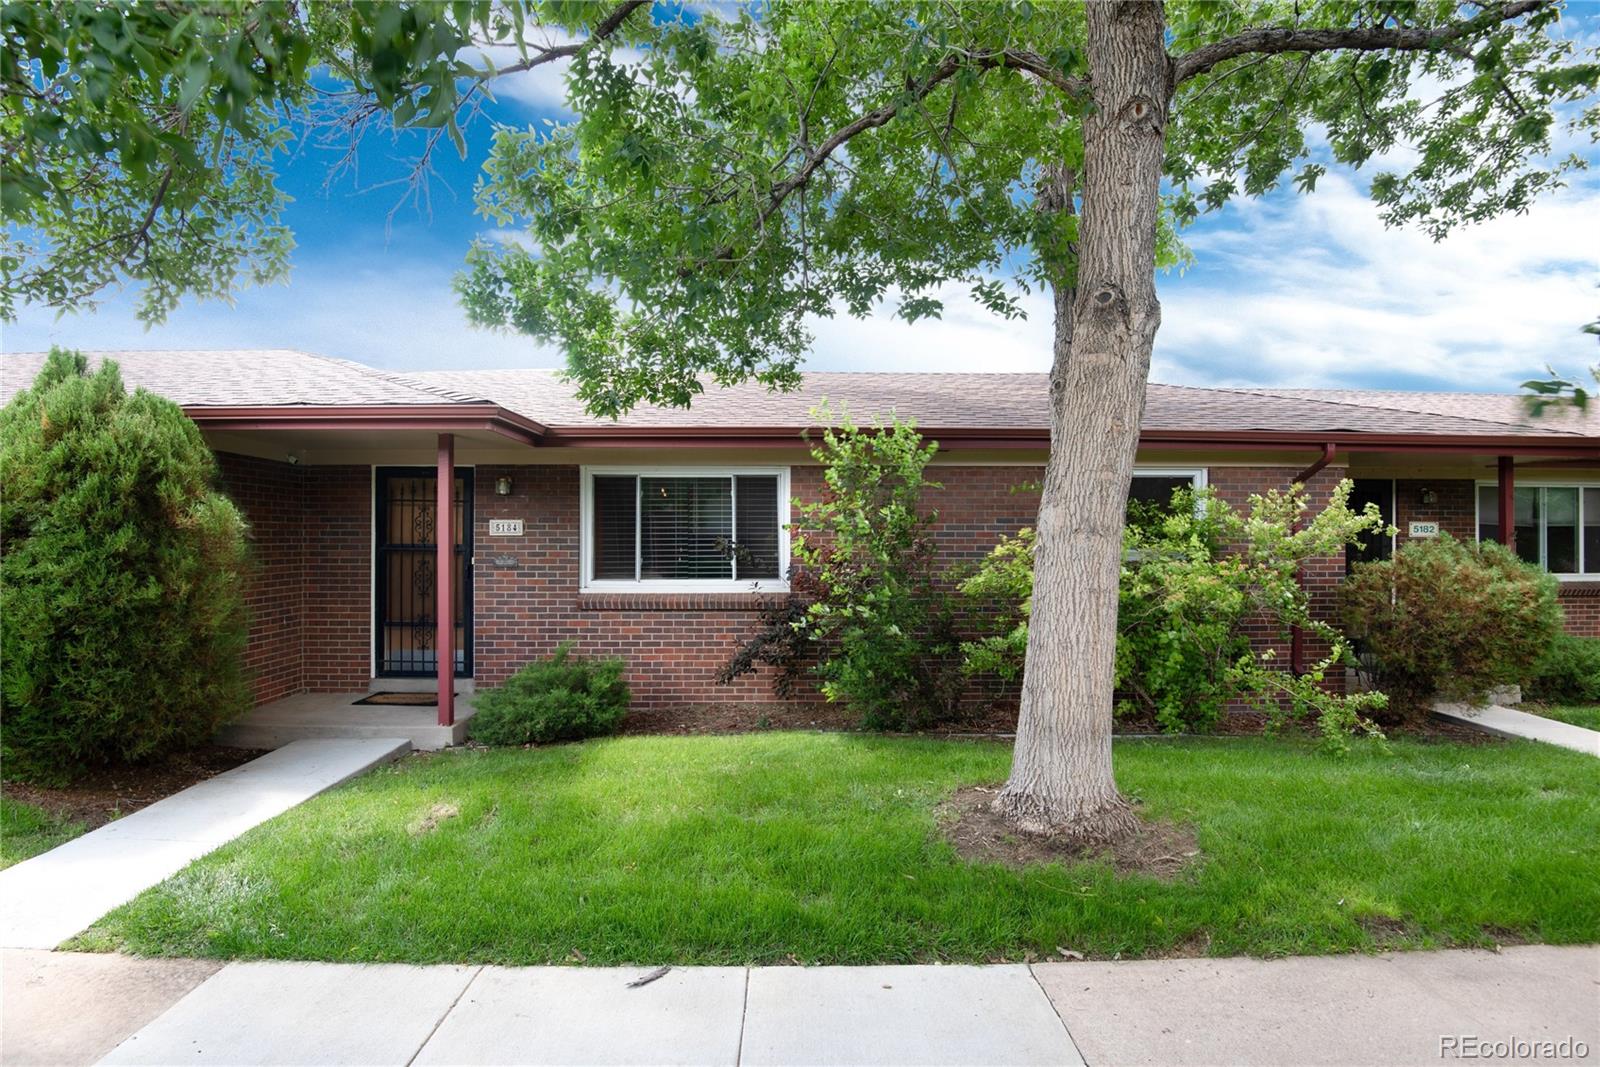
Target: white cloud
(1315, 291)
(967, 338)
(384, 314)
(1293, 290)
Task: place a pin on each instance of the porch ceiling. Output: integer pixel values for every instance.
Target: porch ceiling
(402, 446)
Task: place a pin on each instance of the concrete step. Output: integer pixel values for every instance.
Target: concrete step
(249, 733)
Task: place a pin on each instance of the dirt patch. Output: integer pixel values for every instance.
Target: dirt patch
(1385, 930)
(1504, 936)
(1436, 729)
(997, 722)
(430, 821)
(104, 795)
(1160, 849)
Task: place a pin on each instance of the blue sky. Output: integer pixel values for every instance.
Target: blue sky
(1286, 290)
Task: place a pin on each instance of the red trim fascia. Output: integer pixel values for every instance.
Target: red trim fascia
(496, 419)
(436, 417)
(1034, 439)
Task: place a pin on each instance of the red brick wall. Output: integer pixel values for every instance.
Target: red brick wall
(270, 496)
(310, 593)
(338, 578)
(1582, 605)
(1322, 575)
(1454, 507)
(527, 599)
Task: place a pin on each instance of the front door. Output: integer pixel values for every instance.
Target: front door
(404, 571)
(1379, 491)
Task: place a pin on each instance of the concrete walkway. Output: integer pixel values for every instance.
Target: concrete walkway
(1393, 1009)
(47, 899)
(1509, 722)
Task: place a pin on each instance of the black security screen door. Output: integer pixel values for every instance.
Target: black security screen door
(405, 577)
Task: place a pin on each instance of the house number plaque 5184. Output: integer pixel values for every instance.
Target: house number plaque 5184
(505, 527)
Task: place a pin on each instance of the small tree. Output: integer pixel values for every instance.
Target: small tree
(121, 584)
(870, 602)
(1192, 577)
(1451, 618)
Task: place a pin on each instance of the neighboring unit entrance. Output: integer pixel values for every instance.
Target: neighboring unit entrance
(1379, 491)
(404, 565)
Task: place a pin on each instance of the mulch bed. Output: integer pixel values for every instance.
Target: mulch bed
(1160, 849)
(104, 795)
(996, 722)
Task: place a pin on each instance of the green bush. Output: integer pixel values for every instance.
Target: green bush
(1568, 671)
(1193, 574)
(1450, 618)
(121, 577)
(870, 611)
(563, 698)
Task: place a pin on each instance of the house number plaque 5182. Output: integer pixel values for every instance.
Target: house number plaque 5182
(505, 527)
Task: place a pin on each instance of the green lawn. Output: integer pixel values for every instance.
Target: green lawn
(1586, 715)
(27, 831)
(751, 848)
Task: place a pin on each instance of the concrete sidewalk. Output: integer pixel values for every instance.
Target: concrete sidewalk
(1509, 722)
(47, 899)
(1394, 1009)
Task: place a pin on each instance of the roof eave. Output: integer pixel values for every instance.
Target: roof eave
(1032, 438)
(442, 418)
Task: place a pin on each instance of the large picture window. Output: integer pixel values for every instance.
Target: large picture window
(1557, 526)
(685, 530)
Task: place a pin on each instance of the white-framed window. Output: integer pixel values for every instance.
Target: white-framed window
(1155, 485)
(1557, 524)
(685, 529)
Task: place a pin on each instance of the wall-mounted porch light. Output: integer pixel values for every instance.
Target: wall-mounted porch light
(1429, 498)
(502, 486)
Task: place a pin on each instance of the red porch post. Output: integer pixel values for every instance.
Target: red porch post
(1508, 513)
(444, 587)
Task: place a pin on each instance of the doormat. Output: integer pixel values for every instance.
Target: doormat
(409, 700)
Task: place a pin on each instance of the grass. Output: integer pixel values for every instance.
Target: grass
(26, 831)
(1585, 715)
(824, 848)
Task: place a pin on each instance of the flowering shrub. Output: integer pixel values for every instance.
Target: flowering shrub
(870, 611)
(1192, 575)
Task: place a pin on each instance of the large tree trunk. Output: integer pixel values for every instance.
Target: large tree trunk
(1061, 780)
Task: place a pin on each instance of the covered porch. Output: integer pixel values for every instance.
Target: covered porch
(361, 523)
(306, 716)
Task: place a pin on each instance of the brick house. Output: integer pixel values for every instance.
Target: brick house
(571, 528)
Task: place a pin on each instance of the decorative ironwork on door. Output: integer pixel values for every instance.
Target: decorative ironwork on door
(405, 572)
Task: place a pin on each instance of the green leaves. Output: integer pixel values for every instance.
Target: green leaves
(123, 574)
(739, 176)
(138, 138)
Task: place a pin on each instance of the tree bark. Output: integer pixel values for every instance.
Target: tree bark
(1061, 782)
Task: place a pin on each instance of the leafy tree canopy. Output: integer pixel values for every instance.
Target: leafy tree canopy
(140, 139)
(738, 174)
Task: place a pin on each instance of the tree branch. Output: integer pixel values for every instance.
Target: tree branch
(1010, 59)
(1276, 39)
(602, 29)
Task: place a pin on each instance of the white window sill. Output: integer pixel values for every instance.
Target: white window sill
(764, 586)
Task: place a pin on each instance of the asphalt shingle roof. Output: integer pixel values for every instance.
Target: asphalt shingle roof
(1021, 401)
(282, 377)
(244, 378)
